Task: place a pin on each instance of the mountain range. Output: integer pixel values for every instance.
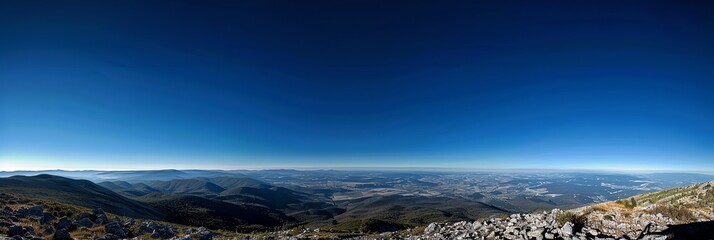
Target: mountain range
(341, 203)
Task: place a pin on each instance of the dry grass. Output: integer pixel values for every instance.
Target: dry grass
(608, 206)
(678, 213)
(418, 230)
(88, 233)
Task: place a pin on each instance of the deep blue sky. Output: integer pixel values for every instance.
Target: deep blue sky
(484, 84)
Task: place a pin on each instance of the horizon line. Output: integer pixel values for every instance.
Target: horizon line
(378, 168)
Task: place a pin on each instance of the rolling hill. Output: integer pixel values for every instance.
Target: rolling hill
(77, 192)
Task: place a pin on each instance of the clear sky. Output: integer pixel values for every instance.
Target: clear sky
(319, 84)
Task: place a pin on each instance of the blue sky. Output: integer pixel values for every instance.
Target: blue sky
(276, 84)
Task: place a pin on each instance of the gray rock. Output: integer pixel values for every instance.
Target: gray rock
(147, 227)
(113, 227)
(567, 229)
(161, 233)
(84, 222)
(549, 236)
(63, 223)
(46, 218)
(185, 237)
(101, 219)
(110, 236)
(205, 235)
(538, 234)
(62, 234)
(15, 230)
(34, 211)
(98, 211)
(29, 230)
(49, 230)
(429, 229)
(6, 210)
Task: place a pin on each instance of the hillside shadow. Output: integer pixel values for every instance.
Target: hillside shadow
(697, 230)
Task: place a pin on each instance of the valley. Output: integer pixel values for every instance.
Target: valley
(337, 202)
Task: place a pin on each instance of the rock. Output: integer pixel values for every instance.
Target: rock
(46, 218)
(567, 229)
(113, 227)
(29, 230)
(98, 211)
(34, 211)
(128, 222)
(205, 235)
(161, 234)
(49, 230)
(538, 234)
(110, 236)
(62, 234)
(147, 227)
(163, 231)
(429, 229)
(63, 223)
(84, 222)
(6, 210)
(185, 237)
(85, 215)
(101, 219)
(15, 230)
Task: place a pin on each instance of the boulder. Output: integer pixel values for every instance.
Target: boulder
(84, 222)
(15, 230)
(46, 218)
(98, 211)
(34, 211)
(62, 234)
(7, 210)
(49, 230)
(185, 237)
(567, 229)
(63, 223)
(110, 236)
(147, 227)
(101, 219)
(29, 230)
(205, 235)
(113, 227)
(163, 231)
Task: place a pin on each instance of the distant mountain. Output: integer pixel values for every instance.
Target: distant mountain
(214, 214)
(237, 190)
(236, 182)
(186, 186)
(127, 176)
(127, 189)
(77, 192)
(414, 210)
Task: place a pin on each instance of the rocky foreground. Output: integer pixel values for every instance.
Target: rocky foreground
(22, 219)
(594, 225)
(680, 213)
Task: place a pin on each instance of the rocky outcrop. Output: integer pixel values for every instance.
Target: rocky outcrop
(533, 226)
(18, 224)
